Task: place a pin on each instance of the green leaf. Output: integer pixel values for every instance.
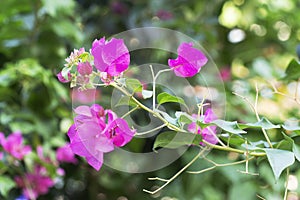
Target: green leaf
(173, 140)
(125, 100)
(133, 85)
(56, 6)
(165, 97)
(168, 118)
(292, 72)
(296, 150)
(184, 118)
(285, 144)
(84, 57)
(65, 71)
(233, 139)
(279, 160)
(262, 123)
(291, 127)
(147, 94)
(231, 127)
(6, 184)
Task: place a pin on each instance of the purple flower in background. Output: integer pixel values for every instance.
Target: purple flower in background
(119, 7)
(13, 145)
(110, 56)
(209, 133)
(189, 60)
(65, 154)
(164, 15)
(36, 183)
(62, 79)
(225, 74)
(96, 131)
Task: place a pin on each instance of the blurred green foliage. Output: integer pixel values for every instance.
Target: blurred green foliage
(254, 39)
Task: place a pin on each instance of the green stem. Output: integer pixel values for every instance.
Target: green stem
(155, 114)
(226, 148)
(176, 175)
(286, 184)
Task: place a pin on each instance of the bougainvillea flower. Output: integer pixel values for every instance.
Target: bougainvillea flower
(13, 145)
(209, 133)
(119, 132)
(65, 154)
(110, 56)
(84, 68)
(189, 60)
(73, 59)
(96, 131)
(36, 183)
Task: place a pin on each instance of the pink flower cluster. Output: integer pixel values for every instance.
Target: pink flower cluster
(13, 145)
(209, 133)
(97, 131)
(37, 182)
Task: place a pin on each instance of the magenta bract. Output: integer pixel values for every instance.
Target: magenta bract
(96, 131)
(110, 56)
(13, 145)
(209, 133)
(189, 60)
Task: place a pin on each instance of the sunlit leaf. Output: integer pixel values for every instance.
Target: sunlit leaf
(296, 150)
(147, 94)
(6, 184)
(125, 100)
(165, 97)
(65, 71)
(279, 160)
(183, 117)
(292, 72)
(133, 85)
(231, 127)
(173, 140)
(168, 118)
(262, 123)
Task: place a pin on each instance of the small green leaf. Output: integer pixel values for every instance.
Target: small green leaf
(296, 150)
(173, 140)
(168, 118)
(165, 97)
(285, 144)
(6, 184)
(125, 100)
(147, 94)
(133, 85)
(184, 118)
(262, 123)
(84, 56)
(279, 160)
(291, 127)
(231, 127)
(65, 71)
(292, 72)
(233, 139)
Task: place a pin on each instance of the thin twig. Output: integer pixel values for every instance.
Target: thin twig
(167, 181)
(130, 111)
(152, 130)
(219, 165)
(286, 184)
(254, 108)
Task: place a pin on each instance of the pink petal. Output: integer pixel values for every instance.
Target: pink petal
(189, 61)
(96, 163)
